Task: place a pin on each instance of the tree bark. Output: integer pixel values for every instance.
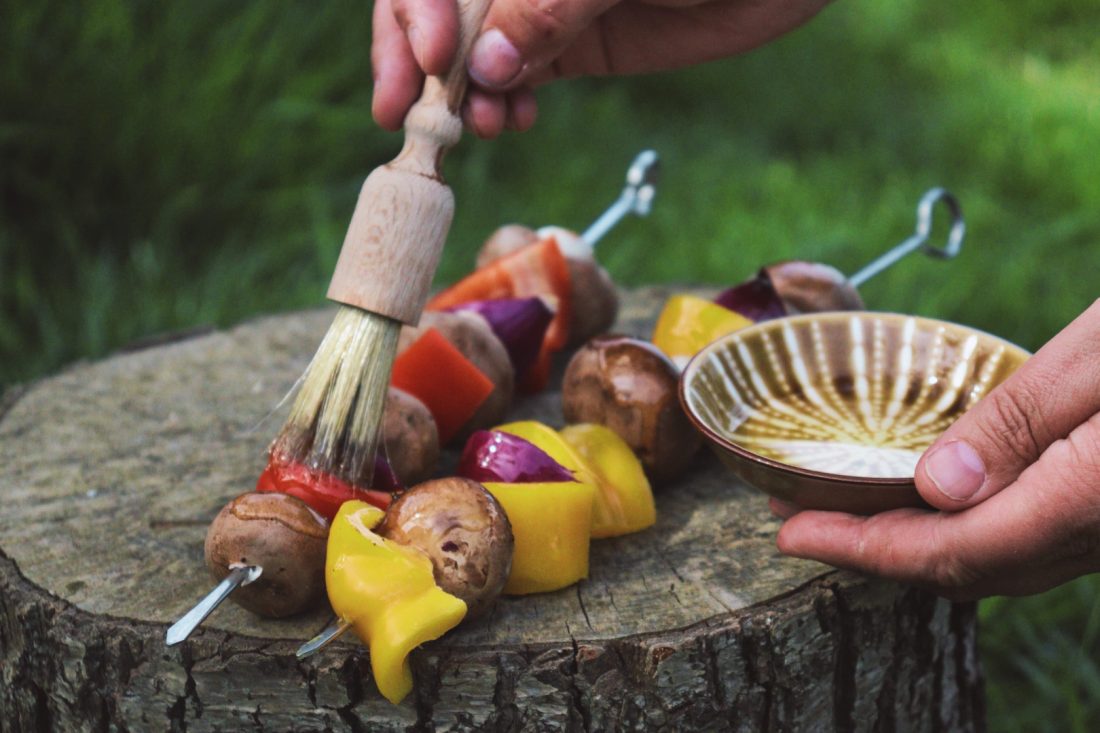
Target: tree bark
(111, 471)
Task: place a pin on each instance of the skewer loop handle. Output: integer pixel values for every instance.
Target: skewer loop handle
(920, 237)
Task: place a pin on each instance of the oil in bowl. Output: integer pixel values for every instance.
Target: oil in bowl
(833, 410)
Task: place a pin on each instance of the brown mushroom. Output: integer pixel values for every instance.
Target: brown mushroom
(809, 287)
(470, 333)
(503, 241)
(282, 535)
(412, 439)
(465, 533)
(595, 300)
(630, 386)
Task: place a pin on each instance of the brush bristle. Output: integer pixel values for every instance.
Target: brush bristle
(335, 423)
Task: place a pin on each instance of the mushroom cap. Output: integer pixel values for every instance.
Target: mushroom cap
(470, 334)
(465, 533)
(810, 287)
(629, 386)
(282, 535)
(412, 438)
(503, 241)
(595, 299)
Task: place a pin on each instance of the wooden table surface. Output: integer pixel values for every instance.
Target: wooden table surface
(112, 470)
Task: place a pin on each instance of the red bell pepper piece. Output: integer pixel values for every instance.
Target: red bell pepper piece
(449, 384)
(323, 492)
(539, 269)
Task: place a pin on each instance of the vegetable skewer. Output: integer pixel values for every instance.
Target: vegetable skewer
(688, 323)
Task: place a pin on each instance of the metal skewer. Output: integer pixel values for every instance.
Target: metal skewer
(239, 575)
(636, 198)
(331, 633)
(920, 237)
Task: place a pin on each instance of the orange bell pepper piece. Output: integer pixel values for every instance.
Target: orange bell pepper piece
(539, 269)
(449, 384)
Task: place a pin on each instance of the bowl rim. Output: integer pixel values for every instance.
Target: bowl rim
(886, 482)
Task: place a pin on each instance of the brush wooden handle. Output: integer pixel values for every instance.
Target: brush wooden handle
(400, 223)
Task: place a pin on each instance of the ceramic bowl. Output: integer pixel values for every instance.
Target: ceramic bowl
(832, 410)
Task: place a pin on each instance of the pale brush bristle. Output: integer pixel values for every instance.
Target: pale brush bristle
(335, 422)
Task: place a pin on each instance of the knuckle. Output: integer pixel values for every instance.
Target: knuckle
(1083, 445)
(401, 12)
(1072, 478)
(1078, 544)
(873, 550)
(1015, 424)
(545, 20)
(952, 576)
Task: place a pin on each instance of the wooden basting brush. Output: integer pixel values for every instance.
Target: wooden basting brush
(382, 279)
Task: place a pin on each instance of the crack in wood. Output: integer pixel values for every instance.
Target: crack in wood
(841, 628)
(611, 597)
(576, 697)
(673, 568)
(172, 523)
(352, 678)
(584, 611)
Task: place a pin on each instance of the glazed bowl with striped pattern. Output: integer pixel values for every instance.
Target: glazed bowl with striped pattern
(832, 410)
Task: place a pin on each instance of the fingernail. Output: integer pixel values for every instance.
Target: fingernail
(956, 469)
(494, 61)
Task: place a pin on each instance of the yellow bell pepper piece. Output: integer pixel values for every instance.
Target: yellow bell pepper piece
(619, 508)
(387, 592)
(688, 323)
(607, 513)
(624, 488)
(551, 525)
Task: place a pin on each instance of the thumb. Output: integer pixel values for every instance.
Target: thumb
(521, 36)
(990, 445)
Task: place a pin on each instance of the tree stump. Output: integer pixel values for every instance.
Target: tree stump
(112, 470)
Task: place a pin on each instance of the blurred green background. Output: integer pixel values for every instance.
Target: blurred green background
(166, 165)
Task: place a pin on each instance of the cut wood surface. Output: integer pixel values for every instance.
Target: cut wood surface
(111, 471)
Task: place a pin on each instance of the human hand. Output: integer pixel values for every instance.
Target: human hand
(1016, 480)
(525, 43)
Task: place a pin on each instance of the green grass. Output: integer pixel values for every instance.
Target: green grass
(164, 165)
